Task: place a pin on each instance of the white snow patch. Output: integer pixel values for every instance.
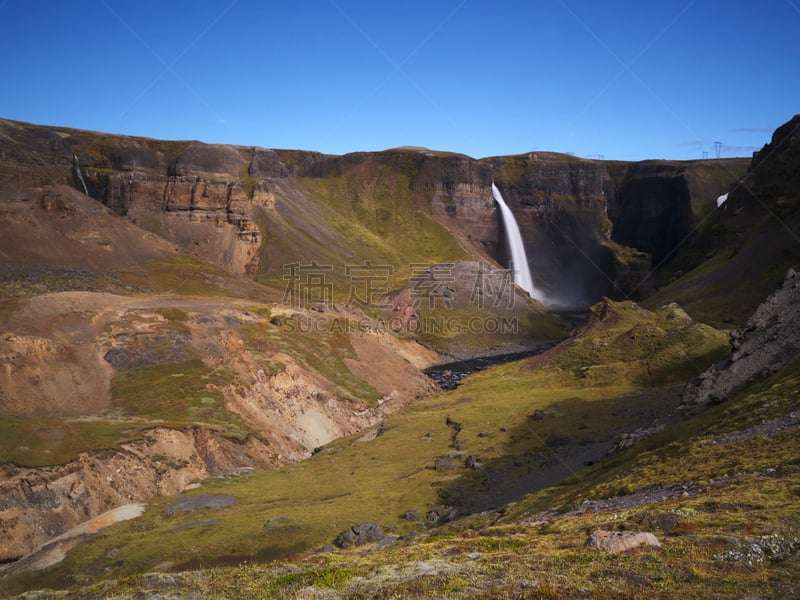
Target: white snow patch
(721, 200)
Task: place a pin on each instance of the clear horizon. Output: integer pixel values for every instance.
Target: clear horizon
(617, 81)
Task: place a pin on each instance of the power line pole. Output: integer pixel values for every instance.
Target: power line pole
(718, 148)
(705, 155)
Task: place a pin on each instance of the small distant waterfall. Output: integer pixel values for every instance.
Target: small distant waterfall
(77, 166)
(519, 261)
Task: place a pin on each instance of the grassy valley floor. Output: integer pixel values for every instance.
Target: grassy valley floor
(485, 491)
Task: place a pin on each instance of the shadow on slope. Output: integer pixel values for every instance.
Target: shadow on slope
(617, 381)
(749, 242)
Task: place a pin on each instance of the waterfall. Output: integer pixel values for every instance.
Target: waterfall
(519, 261)
(77, 166)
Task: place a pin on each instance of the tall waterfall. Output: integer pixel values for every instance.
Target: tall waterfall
(519, 261)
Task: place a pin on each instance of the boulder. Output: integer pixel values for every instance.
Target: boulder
(412, 515)
(443, 464)
(472, 463)
(361, 534)
(614, 542)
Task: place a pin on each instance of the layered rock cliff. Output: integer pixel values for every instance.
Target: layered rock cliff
(39, 504)
(242, 207)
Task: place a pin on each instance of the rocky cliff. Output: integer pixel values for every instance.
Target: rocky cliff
(751, 237)
(39, 504)
(242, 207)
(766, 344)
(773, 178)
(561, 206)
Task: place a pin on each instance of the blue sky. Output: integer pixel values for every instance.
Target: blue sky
(617, 79)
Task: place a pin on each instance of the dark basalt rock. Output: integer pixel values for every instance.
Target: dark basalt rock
(768, 342)
(652, 213)
(361, 534)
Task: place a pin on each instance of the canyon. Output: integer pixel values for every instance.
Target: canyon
(605, 222)
(153, 334)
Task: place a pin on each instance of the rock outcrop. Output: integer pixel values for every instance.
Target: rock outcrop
(768, 342)
(772, 179)
(614, 542)
(37, 504)
(364, 533)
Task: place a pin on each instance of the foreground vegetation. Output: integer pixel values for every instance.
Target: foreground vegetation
(502, 529)
(733, 532)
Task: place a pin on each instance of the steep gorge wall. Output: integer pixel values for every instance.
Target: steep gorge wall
(211, 200)
(651, 210)
(560, 204)
(591, 228)
(198, 200)
(752, 237)
(458, 191)
(773, 176)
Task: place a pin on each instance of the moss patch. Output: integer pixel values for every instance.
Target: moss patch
(56, 441)
(321, 342)
(175, 393)
(180, 274)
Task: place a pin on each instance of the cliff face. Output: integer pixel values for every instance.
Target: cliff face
(38, 504)
(751, 237)
(251, 210)
(198, 199)
(652, 210)
(773, 178)
(459, 192)
(560, 204)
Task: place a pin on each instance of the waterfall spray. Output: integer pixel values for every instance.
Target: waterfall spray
(519, 261)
